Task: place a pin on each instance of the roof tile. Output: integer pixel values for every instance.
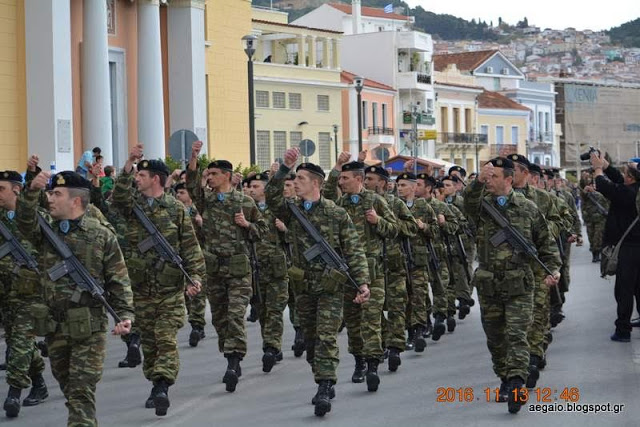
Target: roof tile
(465, 61)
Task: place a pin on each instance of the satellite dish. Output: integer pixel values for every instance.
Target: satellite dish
(307, 147)
(382, 154)
(180, 145)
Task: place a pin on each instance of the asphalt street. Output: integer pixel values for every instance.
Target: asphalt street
(582, 359)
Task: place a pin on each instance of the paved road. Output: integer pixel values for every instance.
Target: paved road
(581, 356)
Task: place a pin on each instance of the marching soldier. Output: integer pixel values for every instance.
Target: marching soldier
(374, 222)
(595, 208)
(73, 322)
(231, 222)
(158, 285)
(319, 287)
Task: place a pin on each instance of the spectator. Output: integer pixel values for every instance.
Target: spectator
(107, 181)
(86, 161)
(621, 189)
(98, 163)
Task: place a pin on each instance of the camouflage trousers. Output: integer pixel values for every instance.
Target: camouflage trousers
(24, 361)
(228, 298)
(159, 317)
(565, 270)
(393, 326)
(196, 307)
(595, 230)
(419, 302)
(540, 320)
(458, 286)
(274, 296)
(471, 249)
(438, 289)
(77, 366)
(364, 321)
(320, 315)
(505, 321)
(293, 313)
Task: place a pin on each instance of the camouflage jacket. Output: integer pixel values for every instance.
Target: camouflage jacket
(591, 212)
(468, 228)
(503, 266)
(331, 221)
(546, 205)
(407, 228)
(576, 225)
(95, 246)
(149, 274)
(222, 236)
(271, 248)
(192, 212)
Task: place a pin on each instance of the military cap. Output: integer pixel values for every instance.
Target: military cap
(548, 172)
(11, 176)
(179, 186)
(439, 184)
(310, 167)
(69, 179)
(290, 176)
(450, 178)
(408, 176)
(456, 168)
(519, 158)
(156, 166)
(222, 165)
(501, 162)
(263, 176)
(378, 171)
(353, 166)
(428, 180)
(533, 168)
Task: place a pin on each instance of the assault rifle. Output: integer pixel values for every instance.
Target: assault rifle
(71, 266)
(322, 248)
(462, 255)
(599, 207)
(13, 247)
(255, 273)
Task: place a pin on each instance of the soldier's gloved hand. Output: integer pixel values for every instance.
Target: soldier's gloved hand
(363, 294)
(192, 291)
(122, 328)
(40, 181)
(552, 280)
(280, 226)
(372, 216)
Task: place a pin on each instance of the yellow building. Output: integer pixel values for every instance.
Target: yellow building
(297, 88)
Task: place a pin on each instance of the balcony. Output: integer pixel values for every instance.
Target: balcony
(423, 118)
(414, 80)
(461, 138)
(414, 40)
(380, 131)
(541, 137)
(381, 135)
(503, 150)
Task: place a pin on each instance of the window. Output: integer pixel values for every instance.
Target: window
(484, 129)
(384, 116)
(279, 100)
(499, 134)
(323, 102)
(262, 99)
(496, 83)
(364, 115)
(374, 114)
(263, 151)
(295, 101)
(546, 122)
(467, 120)
(324, 149)
(294, 139)
(514, 134)
(279, 143)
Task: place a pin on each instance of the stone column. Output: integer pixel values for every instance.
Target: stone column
(312, 52)
(336, 54)
(150, 92)
(302, 54)
(325, 54)
(96, 94)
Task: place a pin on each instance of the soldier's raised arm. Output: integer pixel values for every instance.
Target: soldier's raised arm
(274, 191)
(194, 180)
(330, 190)
(122, 195)
(386, 225)
(474, 193)
(27, 208)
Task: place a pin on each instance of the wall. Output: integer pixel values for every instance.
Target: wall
(370, 55)
(505, 118)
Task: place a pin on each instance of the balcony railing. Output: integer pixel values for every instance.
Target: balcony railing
(380, 131)
(541, 136)
(424, 79)
(503, 150)
(462, 138)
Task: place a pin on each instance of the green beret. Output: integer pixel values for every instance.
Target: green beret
(450, 178)
(428, 180)
(179, 186)
(69, 179)
(519, 158)
(290, 176)
(11, 176)
(155, 166)
(533, 168)
(310, 167)
(408, 176)
(501, 162)
(353, 166)
(457, 168)
(378, 171)
(264, 176)
(222, 165)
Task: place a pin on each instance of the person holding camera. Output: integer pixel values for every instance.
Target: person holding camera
(621, 189)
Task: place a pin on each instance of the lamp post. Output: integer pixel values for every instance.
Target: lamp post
(335, 140)
(359, 82)
(249, 49)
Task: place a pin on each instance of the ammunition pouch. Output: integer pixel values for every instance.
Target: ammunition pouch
(27, 283)
(332, 280)
(515, 283)
(80, 323)
(296, 279)
(211, 262)
(137, 268)
(170, 278)
(420, 256)
(278, 266)
(42, 322)
(373, 269)
(395, 260)
(483, 280)
(239, 266)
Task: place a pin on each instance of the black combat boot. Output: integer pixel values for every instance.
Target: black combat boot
(149, 403)
(358, 372)
(232, 374)
(439, 328)
(3, 366)
(517, 396)
(12, 402)
(44, 349)
(269, 359)
(197, 333)
(534, 372)
(394, 359)
(298, 343)
(595, 257)
(373, 380)
(342, 326)
(38, 392)
(419, 342)
(463, 308)
(451, 324)
(557, 316)
(410, 339)
(332, 395)
(161, 399)
(323, 398)
(134, 357)
(543, 363)
(428, 330)
(503, 393)
(253, 313)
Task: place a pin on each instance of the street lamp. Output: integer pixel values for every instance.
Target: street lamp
(335, 140)
(359, 82)
(250, 49)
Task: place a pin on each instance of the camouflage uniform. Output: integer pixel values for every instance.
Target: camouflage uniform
(363, 322)
(576, 228)
(319, 293)
(158, 287)
(458, 282)
(196, 306)
(468, 234)
(77, 359)
(227, 258)
(504, 277)
(594, 219)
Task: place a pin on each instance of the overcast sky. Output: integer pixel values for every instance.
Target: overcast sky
(556, 14)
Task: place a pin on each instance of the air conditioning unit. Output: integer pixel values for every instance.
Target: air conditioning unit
(505, 71)
(489, 70)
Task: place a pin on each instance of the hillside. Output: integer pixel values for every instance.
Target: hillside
(627, 34)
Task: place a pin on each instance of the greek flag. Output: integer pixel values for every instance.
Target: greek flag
(388, 8)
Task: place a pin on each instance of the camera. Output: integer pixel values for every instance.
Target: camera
(587, 155)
